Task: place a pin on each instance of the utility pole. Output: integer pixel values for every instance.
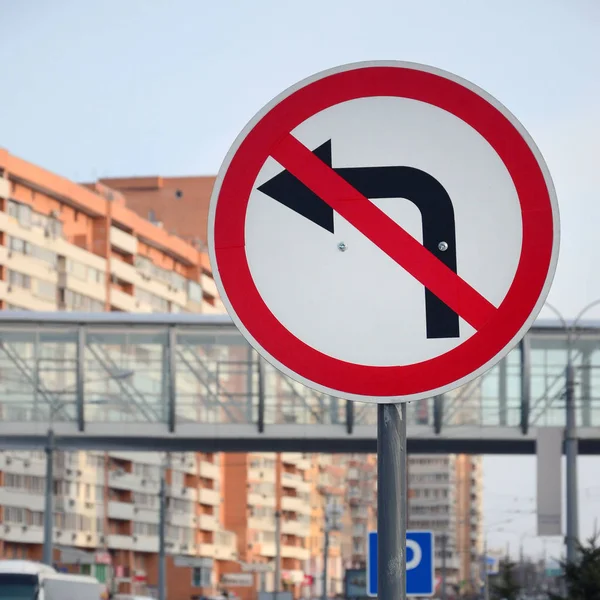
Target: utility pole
(444, 540)
(571, 450)
(332, 513)
(162, 525)
(49, 504)
(277, 582)
(522, 565)
(486, 578)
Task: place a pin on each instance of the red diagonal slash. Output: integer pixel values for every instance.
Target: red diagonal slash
(384, 232)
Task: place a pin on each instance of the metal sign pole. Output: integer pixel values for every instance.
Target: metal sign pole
(391, 501)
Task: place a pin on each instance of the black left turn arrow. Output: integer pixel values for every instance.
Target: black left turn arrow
(420, 188)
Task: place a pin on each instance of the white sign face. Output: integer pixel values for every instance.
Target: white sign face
(359, 305)
(383, 232)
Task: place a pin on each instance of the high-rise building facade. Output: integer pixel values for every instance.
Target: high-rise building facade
(68, 247)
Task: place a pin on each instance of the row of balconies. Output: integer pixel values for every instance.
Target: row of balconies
(33, 534)
(97, 290)
(147, 543)
(129, 481)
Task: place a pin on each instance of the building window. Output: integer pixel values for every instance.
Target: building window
(194, 291)
(75, 301)
(45, 290)
(19, 280)
(201, 577)
(23, 247)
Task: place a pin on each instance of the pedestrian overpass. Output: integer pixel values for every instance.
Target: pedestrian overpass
(182, 382)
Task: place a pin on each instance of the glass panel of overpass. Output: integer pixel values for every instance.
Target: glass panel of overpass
(208, 374)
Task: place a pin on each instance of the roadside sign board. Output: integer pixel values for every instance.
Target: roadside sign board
(420, 563)
(383, 232)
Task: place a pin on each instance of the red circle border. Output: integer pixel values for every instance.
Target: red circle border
(384, 381)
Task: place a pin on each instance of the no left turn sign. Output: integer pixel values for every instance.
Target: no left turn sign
(383, 231)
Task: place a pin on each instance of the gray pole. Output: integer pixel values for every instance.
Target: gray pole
(49, 504)
(486, 579)
(277, 582)
(571, 450)
(443, 586)
(521, 566)
(391, 501)
(162, 571)
(325, 556)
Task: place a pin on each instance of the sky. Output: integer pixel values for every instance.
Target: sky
(107, 88)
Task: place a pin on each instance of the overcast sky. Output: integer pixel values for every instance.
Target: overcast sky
(108, 88)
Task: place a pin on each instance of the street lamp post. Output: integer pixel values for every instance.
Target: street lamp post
(48, 501)
(571, 440)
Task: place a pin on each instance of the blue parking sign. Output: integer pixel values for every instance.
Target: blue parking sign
(420, 564)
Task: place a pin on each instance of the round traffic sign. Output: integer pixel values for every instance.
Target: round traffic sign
(383, 231)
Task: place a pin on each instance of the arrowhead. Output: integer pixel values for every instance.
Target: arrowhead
(291, 192)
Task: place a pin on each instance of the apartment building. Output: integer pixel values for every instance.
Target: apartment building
(265, 493)
(327, 475)
(68, 247)
(445, 494)
(180, 203)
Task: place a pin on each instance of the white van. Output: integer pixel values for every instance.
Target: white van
(27, 580)
(131, 597)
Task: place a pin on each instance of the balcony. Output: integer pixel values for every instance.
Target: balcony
(120, 542)
(208, 285)
(4, 187)
(208, 522)
(22, 499)
(209, 309)
(295, 528)
(261, 500)
(94, 290)
(207, 550)
(261, 524)
(146, 515)
(225, 545)
(145, 543)
(296, 482)
(267, 549)
(183, 492)
(23, 534)
(122, 480)
(181, 519)
(209, 470)
(123, 301)
(124, 271)
(210, 497)
(25, 299)
(291, 458)
(296, 552)
(259, 474)
(294, 504)
(123, 241)
(120, 510)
